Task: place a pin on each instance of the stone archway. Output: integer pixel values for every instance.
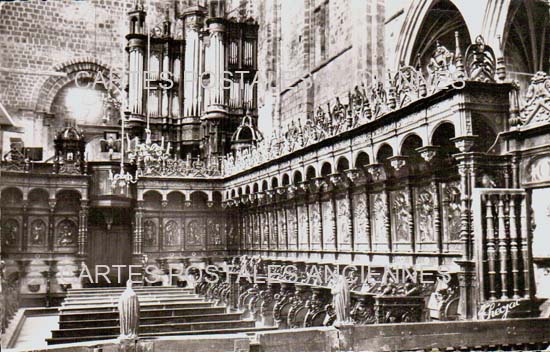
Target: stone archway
(45, 96)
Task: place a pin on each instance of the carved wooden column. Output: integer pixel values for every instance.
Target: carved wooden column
(308, 215)
(138, 229)
(368, 228)
(258, 230)
(285, 226)
(525, 245)
(296, 226)
(515, 171)
(51, 222)
(269, 219)
(387, 218)
(437, 218)
(25, 218)
(514, 253)
(83, 228)
(260, 223)
(467, 308)
(411, 218)
(502, 247)
(276, 226)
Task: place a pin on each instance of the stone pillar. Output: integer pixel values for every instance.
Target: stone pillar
(83, 228)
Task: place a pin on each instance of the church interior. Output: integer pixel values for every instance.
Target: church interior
(275, 175)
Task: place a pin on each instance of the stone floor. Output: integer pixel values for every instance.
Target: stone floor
(35, 330)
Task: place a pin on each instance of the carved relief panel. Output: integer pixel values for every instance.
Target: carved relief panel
(265, 228)
(328, 235)
(315, 225)
(360, 221)
(150, 232)
(231, 231)
(426, 208)
(256, 230)
(379, 217)
(292, 226)
(451, 215)
(248, 229)
(537, 170)
(343, 228)
(171, 234)
(38, 232)
(215, 232)
(282, 228)
(274, 228)
(195, 234)
(401, 216)
(303, 226)
(66, 234)
(11, 233)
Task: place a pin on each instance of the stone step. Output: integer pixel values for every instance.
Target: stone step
(52, 341)
(146, 305)
(178, 319)
(154, 328)
(145, 299)
(144, 313)
(139, 293)
(101, 290)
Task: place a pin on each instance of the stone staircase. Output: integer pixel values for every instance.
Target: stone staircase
(92, 314)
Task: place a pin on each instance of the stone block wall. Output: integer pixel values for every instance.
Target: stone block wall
(38, 37)
(329, 42)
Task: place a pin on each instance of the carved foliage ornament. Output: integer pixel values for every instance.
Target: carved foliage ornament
(536, 109)
(480, 61)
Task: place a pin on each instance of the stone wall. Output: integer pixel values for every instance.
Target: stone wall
(38, 37)
(527, 333)
(330, 43)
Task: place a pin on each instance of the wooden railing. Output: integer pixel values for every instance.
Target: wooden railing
(502, 230)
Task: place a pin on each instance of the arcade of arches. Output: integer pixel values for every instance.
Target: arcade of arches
(442, 164)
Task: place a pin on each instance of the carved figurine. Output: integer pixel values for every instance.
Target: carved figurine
(10, 229)
(66, 234)
(38, 232)
(341, 300)
(128, 310)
